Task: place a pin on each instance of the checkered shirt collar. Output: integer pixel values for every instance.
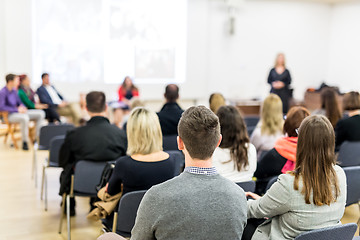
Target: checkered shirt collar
(201, 171)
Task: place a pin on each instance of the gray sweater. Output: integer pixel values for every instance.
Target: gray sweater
(192, 206)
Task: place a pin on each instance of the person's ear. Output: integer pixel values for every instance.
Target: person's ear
(218, 144)
(180, 143)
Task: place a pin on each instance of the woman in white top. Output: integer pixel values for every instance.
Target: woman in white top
(270, 126)
(235, 158)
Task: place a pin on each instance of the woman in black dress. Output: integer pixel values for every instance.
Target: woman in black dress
(280, 80)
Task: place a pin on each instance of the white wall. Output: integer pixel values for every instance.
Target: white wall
(17, 36)
(239, 65)
(344, 59)
(236, 65)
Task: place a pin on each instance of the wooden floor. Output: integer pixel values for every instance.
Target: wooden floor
(22, 214)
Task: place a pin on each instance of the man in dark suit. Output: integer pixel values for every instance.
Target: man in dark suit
(50, 96)
(170, 113)
(98, 140)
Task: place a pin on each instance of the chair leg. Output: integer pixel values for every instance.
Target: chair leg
(46, 193)
(68, 216)
(62, 211)
(42, 183)
(114, 222)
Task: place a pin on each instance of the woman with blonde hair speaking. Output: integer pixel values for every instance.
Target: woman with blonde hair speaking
(270, 126)
(146, 164)
(312, 196)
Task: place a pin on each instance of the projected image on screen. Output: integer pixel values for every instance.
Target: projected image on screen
(155, 63)
(106, 40)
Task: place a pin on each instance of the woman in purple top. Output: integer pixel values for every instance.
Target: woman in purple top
(18, 113)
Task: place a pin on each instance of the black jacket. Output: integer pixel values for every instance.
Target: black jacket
(169, 117)
(97, 141)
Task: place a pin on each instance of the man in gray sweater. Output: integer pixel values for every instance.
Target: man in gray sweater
(199, 203)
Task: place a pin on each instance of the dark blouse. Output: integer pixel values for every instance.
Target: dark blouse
(137, 175)
(284, 77)
(347, 129)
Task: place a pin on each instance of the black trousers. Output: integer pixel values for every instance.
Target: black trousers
(252, 224)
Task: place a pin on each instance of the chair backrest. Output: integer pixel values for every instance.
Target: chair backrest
(247, 186)
(353, 182)
(128, 206)
(349, 154)
(170, 143)
(271, 182)
(180, 161)
(55, 145)
(343, 232)
(52, 130)
(87, 176)
(251, 121)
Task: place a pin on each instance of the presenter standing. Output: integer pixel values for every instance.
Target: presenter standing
(280, 80)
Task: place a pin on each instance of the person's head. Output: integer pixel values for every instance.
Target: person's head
(96, 102)
(293, 120)
(199, 132)
(45, 78)
(24, 80)
(216, 100)
(128, 83)
(12, 80)
(143, 132)
(234, 135)
(351, 101)
(280, 60)
(171, 93)
(330, 104)
(315, 160)
(272, 115)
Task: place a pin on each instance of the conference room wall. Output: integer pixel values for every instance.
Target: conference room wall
(2, 32)
(344, 60)
(236, 65)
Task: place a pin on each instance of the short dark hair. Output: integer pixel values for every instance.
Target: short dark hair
(199, 129)
(293, 120)
(351, 101)
(171, 92)
(44, 75)
(96, 102)
(10, 77)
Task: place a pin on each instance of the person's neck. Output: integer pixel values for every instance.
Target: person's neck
(10, 87)
(194, 162)
(354, 112)
(102, 114)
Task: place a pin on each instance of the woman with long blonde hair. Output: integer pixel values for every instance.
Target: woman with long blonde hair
(146, 164)
(312, 196)
(280, 80)
(270, 126)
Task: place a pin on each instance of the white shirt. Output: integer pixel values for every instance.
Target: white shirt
(264, 142)
(53, 95)
(228, 169)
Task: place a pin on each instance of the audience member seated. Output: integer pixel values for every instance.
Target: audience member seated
(198, 204)
(235, 158)
(48, 95)
(28, 97)
(98, 140)
(127, 91)
(270, 127)
(146, 164)
(329, 106)
(282, 157)
(170, 113)
(348, 129)
(216, 100)
(312, 196)
(18, 113)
